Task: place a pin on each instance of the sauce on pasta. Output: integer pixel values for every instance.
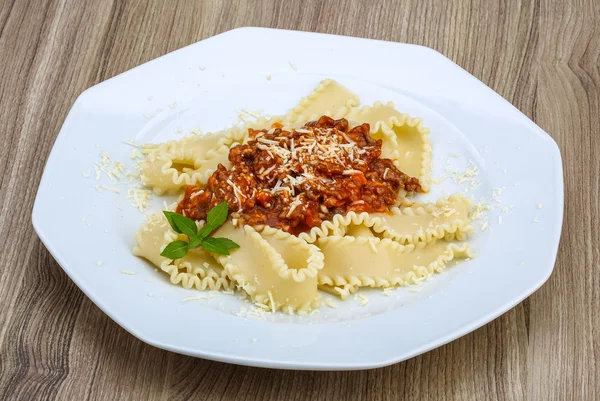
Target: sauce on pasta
(295, 179)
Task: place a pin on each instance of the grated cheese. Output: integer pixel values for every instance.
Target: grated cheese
(330, 303)
(363, 300)
(111, 189)
(347, 138)
(135, 154)
(139, 198)
(293, 207)
(195, 298)
(373, 247)
(128, 272)
(192, 196)
(273, 308)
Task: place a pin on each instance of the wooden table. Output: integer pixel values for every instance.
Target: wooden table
(542, 56)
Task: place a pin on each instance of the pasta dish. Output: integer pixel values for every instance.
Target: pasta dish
(324, 198)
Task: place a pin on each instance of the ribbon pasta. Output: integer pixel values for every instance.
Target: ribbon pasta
(280, 271)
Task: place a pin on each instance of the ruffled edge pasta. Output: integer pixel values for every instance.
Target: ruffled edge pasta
(336, 226)
(158, 173)
(293, 116)
(456, 229)
(387, 128)
(202, 279)
(314, 261)
(230, 276)
(275, 261)
(344, 283)
(199, 277)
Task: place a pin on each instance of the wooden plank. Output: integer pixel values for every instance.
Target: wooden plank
(541, 55)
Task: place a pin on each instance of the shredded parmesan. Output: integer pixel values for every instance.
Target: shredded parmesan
(273, 307)
(373, 247)
(111, 189)
(128, 272)
(363, 300)
(330, 303)
(139, 198)
(195, 298)
(293, 207)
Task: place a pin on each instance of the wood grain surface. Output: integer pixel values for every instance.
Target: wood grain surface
(541, 55)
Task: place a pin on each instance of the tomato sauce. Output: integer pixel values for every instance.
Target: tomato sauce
(296, 179)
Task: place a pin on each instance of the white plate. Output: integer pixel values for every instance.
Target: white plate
(205, 85)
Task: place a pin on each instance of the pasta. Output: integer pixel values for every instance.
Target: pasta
(320, 199)
(290, 278)
(189, 161)
(405, 139)
(197, 269)
(329, 98)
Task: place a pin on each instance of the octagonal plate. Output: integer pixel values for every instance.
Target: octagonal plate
(89, 228)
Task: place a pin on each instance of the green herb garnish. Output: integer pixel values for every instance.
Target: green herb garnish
(184, 225)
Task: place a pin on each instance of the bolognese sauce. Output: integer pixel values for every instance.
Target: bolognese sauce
(296, 179)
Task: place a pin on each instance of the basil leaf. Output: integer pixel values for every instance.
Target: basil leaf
(227, 243)
(205, 231)
(175, 250)
(186, 225)
(217, 215)
(169, 216)
(195, 241)
(215, 246)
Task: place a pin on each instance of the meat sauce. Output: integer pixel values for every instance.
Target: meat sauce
(296, 179)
